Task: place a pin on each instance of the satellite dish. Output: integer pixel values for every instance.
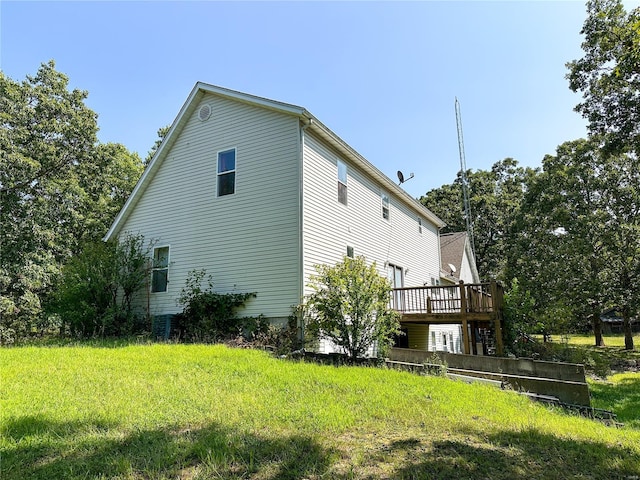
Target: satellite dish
(452, 267)
(402, 179)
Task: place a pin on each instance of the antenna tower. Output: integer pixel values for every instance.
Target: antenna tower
(465, 180)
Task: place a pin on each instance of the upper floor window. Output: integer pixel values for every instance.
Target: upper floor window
(342, 182)
(160, 269)
(419, 225)
(226, 172)
(385, 205)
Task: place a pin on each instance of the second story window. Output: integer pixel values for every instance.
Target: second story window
(226, 172)
(342, 182)
(419, 225)
(385, 206)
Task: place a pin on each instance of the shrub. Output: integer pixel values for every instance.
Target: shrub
(209, 316)
(350, 307)
(94, 294)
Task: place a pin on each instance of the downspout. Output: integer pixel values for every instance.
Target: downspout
(301, 224)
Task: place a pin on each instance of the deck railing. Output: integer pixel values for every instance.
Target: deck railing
(448, 299)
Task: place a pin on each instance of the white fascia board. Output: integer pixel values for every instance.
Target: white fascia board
(372, 171)
(251, 99)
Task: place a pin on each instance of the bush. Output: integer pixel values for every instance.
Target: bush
(94, 294)
(350, 307)
(211, 317)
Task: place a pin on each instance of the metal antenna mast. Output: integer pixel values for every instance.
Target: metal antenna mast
(465, 180)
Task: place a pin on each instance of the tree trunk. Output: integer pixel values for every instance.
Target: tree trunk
(597, 327)
(626, 325)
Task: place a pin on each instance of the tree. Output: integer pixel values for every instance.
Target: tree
(350, 306)
(95, 292)
(58, 186)
(495, 197)
(608, 75)
(578, 244)
(162, 132)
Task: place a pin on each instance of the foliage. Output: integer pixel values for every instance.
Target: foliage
(94, 296)
(209, 316)
(162, 132)
(59, 188)
(579, 235)
(518, 314)
(494, 197)
(350, 307)
(199, 411)
(283, 339)
(608, 75)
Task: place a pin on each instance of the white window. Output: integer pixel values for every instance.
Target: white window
(342, 182)
(433, 341)
(385, 205)
(226, 172)
(160, 269)
(444, 342)
(419, 225)
(451, 342)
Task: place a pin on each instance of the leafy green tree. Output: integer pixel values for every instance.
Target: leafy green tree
(608, 75)
(494, 196)
(58, 187)
(350, 306)
(578, 246)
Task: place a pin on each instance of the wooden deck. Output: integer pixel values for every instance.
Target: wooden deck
(471, 305)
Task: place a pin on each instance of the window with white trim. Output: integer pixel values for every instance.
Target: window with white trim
(342, 182)
(226, 172)
(160, 269)
(419, 225)
(385, 205)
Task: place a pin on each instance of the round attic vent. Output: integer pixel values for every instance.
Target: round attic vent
(204, 113)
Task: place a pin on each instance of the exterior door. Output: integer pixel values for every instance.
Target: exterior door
(396, 278)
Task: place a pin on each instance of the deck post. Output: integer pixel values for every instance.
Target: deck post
(496, 301)
(463, 311)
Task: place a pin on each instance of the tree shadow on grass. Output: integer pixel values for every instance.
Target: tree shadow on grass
(527, 454)
(623, 398)
(47, 450)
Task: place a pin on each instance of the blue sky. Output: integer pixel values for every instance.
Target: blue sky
(383, 76)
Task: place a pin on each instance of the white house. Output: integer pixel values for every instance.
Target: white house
(257, 192)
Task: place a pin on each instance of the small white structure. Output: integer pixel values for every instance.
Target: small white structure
(257, 192)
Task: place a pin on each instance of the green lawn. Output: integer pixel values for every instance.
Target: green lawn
(610, 340)
(195, 412)
(620, 393)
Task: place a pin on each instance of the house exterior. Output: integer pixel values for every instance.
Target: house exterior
(457, 264)
(257, 192)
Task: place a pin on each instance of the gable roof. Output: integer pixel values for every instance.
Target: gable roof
(452, 249)
(313, 124)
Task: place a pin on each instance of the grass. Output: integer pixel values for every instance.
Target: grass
(194, 412)
(610, 340)
(619, 394)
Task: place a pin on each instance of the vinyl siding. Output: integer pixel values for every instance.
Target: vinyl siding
(329, 227)
(454, 331)
(248, 241)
